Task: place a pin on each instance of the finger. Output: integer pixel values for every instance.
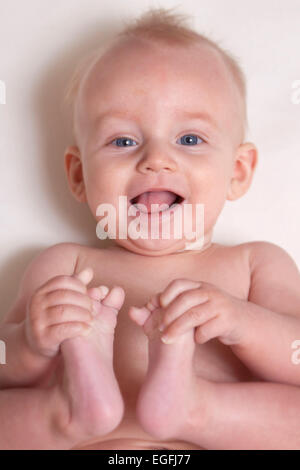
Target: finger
(58, 333)
(194, 317)
(175, 288)
(85, 276)
(152, 323)
(154, 302)
(183, 302)
(62, 282)
(211, 329)
(66, 313)
(68, 296)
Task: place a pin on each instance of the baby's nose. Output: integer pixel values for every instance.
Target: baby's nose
(156, 161)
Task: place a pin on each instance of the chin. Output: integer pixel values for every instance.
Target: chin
(152, 247)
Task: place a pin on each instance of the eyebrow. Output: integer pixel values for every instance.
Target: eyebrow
(112, 114)
(203, 116)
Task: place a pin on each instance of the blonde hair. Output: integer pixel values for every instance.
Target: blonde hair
(157, 25)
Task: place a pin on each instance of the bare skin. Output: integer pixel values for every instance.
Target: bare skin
(64, 323)
(205, 390)
(211, 380)
(110, 381)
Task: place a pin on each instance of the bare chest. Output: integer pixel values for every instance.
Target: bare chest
(142, 277)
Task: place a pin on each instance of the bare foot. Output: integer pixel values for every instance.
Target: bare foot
(95, 402)
(164, 402)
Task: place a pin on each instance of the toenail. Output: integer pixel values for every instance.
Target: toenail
(167, 340)
(104, 290)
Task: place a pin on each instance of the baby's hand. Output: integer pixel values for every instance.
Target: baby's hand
(211, 311)
(59, 309)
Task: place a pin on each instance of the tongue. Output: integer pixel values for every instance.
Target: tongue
(156, 197)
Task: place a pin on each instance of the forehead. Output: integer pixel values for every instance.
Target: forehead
(137, 78)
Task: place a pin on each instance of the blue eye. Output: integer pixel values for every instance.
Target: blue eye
(123, 142)
(190, 139)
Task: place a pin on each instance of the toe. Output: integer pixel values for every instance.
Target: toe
(139, 315)
(154, 302)
(98, 293)
(114, 298)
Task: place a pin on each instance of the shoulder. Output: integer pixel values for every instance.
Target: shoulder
(264, 258)
(275, 278)
(60, 258)
(238, 254)
(263, 254)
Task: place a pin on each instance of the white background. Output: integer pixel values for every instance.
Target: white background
(40, 43)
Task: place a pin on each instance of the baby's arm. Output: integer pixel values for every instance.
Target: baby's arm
(260, 330)
(245, 415)
(47, 414)
(23, 366)
(34, 419)
(56, 417)
(273, 315)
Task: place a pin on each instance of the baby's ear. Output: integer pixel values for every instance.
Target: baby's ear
(73, 169)
(244, 166)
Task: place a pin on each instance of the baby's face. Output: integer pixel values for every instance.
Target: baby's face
(163, 118)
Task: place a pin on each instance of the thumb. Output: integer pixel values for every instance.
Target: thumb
(85, 276)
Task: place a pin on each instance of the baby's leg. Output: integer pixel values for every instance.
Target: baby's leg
(30, 419)
(84, 404)
(164, 399)
(85, 400)
(88, 382)
(245, 415)
(174, 403)
(63, 415)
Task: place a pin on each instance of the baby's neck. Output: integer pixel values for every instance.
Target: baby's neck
(190, 248)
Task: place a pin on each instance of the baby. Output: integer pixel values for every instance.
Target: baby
(155, 342)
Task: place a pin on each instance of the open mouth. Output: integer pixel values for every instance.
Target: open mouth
(156, 201)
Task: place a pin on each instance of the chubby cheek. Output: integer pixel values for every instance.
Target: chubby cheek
(100, 186)
(104, 184)
(210, 189)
